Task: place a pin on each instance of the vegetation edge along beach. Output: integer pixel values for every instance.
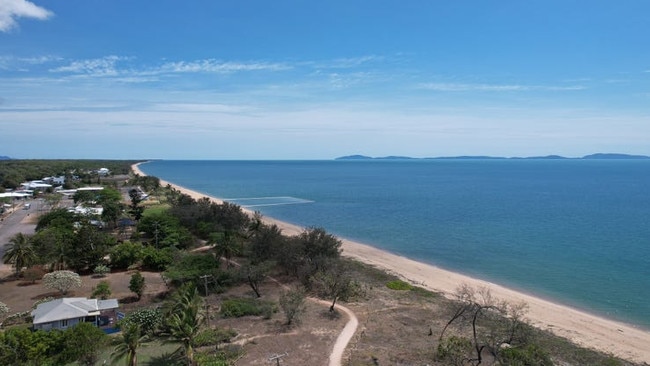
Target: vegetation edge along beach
(218, 285)
(582, 328)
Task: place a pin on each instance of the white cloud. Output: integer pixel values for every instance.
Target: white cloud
(216, 66)
(344, 63)
(18, 63)
(198, 108)
(104, 66)
(454, 87)
(10, 10)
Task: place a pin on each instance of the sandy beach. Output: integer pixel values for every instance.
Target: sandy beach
(585, 329)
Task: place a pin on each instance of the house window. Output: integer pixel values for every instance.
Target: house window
(64, 323)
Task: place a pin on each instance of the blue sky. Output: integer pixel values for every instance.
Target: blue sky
(208, 79)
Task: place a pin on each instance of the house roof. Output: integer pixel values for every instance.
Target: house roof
(70, 308)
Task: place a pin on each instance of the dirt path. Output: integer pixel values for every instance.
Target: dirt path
(342, 341)
(344, 337)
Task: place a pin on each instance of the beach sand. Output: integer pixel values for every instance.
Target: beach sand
(619, 339)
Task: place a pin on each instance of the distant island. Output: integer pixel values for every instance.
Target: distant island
(601, 156)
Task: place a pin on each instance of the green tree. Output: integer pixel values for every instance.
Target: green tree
(102, 290)
(82, 343)
(53, 245)
(265, 242)
(126, 254)
(165, 230)
(89, 247)
(254, 274)
(112, 212)
(335, 282)
(85, 196)
(226, 245)
(137, 284)
(127, 345)
(317, 243)
(19, 252)
(59, 217)
(292, 303)
(108, 195)
(21, 346)
(135, 209)
(190, 267)
(184, 318)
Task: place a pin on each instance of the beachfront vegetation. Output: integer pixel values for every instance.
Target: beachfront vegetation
(493, 326)
(292, 303)
(215, 256)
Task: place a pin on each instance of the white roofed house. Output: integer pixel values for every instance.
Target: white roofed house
(67, 312)
(38, 185)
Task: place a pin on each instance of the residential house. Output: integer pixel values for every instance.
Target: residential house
(69, 311)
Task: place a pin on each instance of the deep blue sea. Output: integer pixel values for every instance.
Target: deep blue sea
(573, 231)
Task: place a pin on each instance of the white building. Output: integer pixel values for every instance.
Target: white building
(69, 311)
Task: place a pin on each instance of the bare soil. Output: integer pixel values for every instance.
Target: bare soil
(21, 295)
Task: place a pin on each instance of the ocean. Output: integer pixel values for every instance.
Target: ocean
(576, 232)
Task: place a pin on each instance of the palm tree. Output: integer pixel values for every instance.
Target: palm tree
(132, 339)
(19, 252)
(226, 244)
(185, 318)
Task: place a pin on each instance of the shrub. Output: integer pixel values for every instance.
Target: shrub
(101, 270)
(157, 259)
(190, 267)
(399, 285)
(149, 320)
(236, 308)
(213, 337)
(4, 310)
(103, 290)
(453, 350)
(33, 274)
(530, 355)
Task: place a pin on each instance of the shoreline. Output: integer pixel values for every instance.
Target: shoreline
(585, 329)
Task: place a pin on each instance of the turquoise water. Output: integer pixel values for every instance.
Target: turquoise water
(574, 231)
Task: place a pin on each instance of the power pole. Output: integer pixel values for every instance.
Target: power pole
(277, 358)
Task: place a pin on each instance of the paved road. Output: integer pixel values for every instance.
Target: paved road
(16, 222)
